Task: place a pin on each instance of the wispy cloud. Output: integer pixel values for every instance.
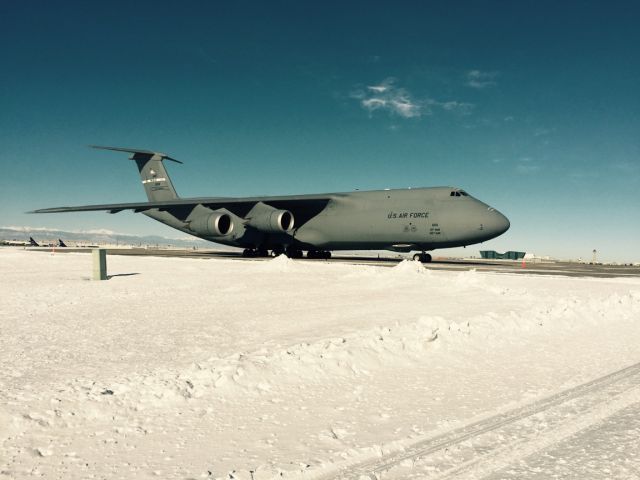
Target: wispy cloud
(388, 97)
(463, 108)
(526, 166)
(479, 80)
(627, 167)
(398, 101)
(527, 169)
(542, 132)
(578, 176)
(378, 88)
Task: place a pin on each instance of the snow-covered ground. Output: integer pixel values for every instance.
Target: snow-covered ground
(195, 368)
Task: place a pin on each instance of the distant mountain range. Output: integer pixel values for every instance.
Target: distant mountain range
(46, 236)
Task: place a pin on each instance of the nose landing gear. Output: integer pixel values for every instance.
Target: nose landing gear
(422, 257)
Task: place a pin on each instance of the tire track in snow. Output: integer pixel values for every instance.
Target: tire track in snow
(611, 385)
(555, 428)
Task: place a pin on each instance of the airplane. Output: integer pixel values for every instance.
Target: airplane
(61, 244)
(401, 220)
(17, 243)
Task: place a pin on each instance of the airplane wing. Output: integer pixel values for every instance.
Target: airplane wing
(303, 207)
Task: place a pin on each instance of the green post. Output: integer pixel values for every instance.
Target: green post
(99, 264)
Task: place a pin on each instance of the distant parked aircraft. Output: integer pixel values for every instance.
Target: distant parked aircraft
(61, 243)
(18, 243)
(418, 219)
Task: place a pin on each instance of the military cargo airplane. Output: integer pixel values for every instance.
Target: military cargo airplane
(416, 219)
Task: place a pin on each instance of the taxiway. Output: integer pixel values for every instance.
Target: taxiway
(570, 269)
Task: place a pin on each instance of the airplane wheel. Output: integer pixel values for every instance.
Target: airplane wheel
(312, 254)
(248, 253)
(293, 253)
(326, 255)
(422, 257)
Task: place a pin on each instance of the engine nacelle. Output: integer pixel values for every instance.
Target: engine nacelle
(270, 220)
(215, 224)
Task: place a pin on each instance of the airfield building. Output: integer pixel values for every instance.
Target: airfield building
(510, 255)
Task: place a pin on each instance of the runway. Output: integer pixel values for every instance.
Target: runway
(570, 269)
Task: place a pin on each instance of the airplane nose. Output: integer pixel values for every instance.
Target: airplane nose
(502, 223)
(496, 223)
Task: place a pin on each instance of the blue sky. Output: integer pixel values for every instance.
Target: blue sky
(533, 107)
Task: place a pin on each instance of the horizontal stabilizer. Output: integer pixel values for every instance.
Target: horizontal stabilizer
(137, 153)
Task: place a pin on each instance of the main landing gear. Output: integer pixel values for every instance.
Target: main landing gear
(422, 257)
(289, 252)
(326, 255)
(255, 252)
(294, 253)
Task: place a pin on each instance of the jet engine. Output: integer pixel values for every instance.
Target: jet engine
(270, 220)
(216, 224)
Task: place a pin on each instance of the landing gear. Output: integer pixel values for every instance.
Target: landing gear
(422, 257)
(324, 254)
(294, 253)
(289, 252)
(255, 252)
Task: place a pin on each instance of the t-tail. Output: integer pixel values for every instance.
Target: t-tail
(155, 180)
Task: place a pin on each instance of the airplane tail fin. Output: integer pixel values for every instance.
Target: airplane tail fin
(61, 243)
(33, 243)
(155, 180)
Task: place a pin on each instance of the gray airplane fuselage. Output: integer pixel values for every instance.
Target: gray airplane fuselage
(401, 220)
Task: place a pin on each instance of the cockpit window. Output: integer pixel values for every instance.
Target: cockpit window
(457, 194)
(463, 193)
